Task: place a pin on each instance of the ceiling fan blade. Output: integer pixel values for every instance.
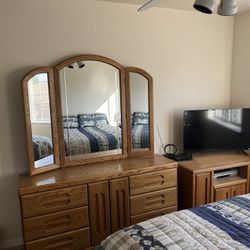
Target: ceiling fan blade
(148, 5)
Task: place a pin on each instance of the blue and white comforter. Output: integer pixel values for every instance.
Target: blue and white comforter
(42, 147)
(220, 225)
(92, 139)
(140, 136)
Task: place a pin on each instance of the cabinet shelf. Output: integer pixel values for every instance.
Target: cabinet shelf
(229, 181)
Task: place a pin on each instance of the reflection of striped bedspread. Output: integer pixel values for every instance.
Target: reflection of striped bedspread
(140, 136)
(42, 146)
(91, 139)
(220, 225)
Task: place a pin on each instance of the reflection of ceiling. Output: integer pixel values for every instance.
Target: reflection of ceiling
(177, 4)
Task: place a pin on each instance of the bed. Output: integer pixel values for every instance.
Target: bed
(220, 225)
(140, 130)
(89, 133)
(42, 147)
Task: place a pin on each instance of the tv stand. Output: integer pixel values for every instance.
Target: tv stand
(196, 178)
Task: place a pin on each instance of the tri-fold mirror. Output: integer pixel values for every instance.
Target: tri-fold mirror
(86, 109)
(139, 89)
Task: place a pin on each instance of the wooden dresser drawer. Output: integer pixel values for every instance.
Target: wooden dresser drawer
(60, 222)
(151, 201)
(74, 240)
(149, 215)
(53, 201)
(159, 180)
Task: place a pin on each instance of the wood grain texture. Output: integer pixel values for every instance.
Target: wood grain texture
(99, 212)
(202, 189)
(238, 190)
(79, 175)
(131, 151)
(27, 120)
(229, 191)
(55, 223)
(149, 215)
(229, 181)
(222, 193)
(53, 201)
(205, 162)
(186, 190)
(108, 194)
(74, 240)
(119, 203)
(94, 159)
(144, 183)
(197, 185)
(152, 201)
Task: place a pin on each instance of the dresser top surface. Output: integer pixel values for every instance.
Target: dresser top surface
(78, 175)
(211, 161)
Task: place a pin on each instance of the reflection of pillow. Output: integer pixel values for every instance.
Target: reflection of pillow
(141, 121)
(92, 119)
(140, 118)
(86, 120)
(70, 121)
(87, 123)
(100, 119)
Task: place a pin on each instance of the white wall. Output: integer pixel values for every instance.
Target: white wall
(187, 53)
(43, 129)
(241, 59)
(91, 89)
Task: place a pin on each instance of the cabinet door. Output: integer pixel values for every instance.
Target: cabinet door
(222, 193)
(99, 211)
(119, 203)
(238, 189)
(202, 189)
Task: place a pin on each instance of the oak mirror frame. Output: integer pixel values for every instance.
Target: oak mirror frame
(140, 117)
(64, 70)
(40, 120)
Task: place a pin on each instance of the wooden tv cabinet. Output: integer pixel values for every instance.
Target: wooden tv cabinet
(196, 183)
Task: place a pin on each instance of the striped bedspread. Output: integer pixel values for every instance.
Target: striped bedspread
(140, 136)
(42, 147)
(220, 225)
(91, 139)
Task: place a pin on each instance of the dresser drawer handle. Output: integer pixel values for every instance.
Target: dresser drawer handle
(56, 201)
(57, 223)
(61, 244)
(154, 181)
(156, 200)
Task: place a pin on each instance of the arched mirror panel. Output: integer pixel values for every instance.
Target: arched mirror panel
(92, 122)
(40, 120)
(87, 109)
(140, 112)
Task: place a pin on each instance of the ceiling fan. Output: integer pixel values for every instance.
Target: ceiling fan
(224, 7)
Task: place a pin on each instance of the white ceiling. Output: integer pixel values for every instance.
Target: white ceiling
(178, 4)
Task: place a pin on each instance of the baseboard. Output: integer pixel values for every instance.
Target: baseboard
(11, 243)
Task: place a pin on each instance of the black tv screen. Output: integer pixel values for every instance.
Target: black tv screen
(216, 129)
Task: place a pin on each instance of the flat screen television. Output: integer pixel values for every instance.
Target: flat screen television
(216, 129)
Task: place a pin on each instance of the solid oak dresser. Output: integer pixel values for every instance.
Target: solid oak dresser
(77, 207)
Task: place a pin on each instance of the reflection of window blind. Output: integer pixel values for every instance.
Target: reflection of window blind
(233, 116)
(39, 101)
(231, 119)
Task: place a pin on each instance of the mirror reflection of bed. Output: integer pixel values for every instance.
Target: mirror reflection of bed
(90, 97)
(139, 112)
(40, 117)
